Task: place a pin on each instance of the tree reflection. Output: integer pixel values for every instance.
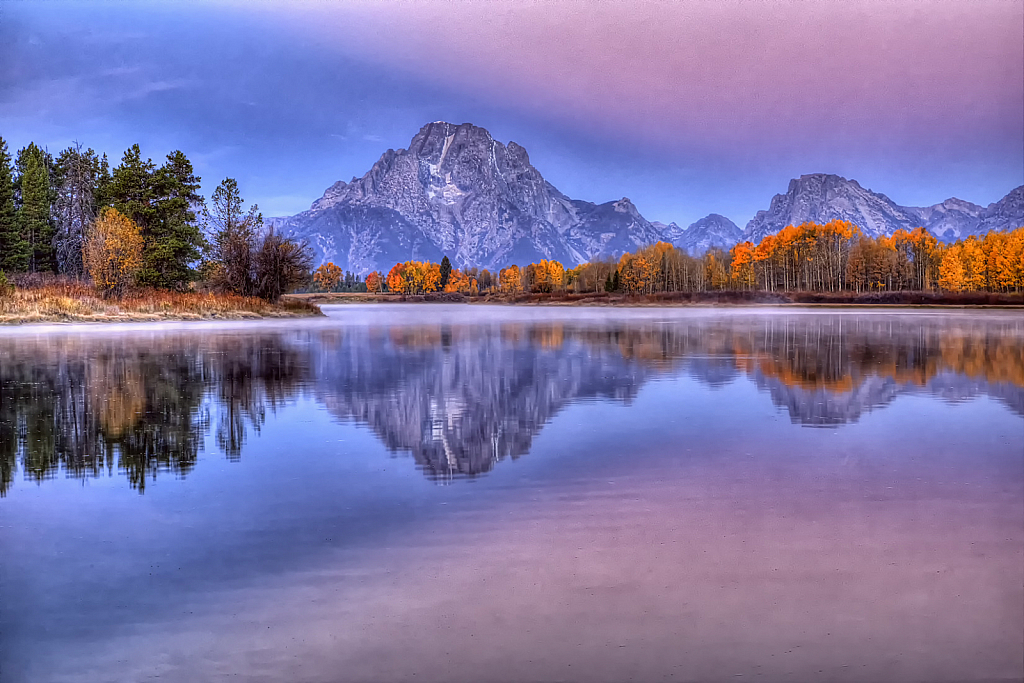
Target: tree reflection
(461, 398)
(82, 406)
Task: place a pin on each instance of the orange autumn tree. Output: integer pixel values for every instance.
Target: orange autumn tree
(994, 263)
(546, 276)
(327, 276)
(112, 252)
(951, 269)
(460, 282)
(414, 277)
(374, 282)
(431, 277)
(396, 279)
(743, 265)
(510, 280)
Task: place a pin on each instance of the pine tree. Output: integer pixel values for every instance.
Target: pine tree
(34, 220)
(13, 249)
(446, 272)
(174, 239)
(130, 189)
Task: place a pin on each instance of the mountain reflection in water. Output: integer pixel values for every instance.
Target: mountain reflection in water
(459, 398)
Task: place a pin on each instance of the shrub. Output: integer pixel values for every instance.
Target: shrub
(6, 287)
(113, 252)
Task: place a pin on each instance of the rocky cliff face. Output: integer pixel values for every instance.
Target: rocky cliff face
(822, 197)
(459, 192)
(1006, 214)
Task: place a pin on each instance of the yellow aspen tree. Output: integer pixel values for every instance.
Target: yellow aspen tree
(112, 252)
(951, 269)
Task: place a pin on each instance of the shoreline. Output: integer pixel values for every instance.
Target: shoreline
(100, 319)
(894, 300)
(76, 304)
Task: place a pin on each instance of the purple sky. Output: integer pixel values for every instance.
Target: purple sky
(687, 108)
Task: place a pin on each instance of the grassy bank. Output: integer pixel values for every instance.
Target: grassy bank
(77, 302)
(725, 298)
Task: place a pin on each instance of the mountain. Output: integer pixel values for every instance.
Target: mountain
(823, 197)
(457, 191)
(952, 219)
(1006, 214)
(709, 232)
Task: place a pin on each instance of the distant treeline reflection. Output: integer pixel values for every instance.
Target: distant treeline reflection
(458, 398)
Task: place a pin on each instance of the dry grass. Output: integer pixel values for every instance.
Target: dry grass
(70, 301)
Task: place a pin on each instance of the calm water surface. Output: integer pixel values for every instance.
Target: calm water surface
(462, 493)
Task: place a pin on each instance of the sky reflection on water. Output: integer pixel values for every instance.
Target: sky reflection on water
(633, 494)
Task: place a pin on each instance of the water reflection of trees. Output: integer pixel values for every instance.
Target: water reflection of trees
(459, 398)
(84, 406)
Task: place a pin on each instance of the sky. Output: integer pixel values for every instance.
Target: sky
(688, 108)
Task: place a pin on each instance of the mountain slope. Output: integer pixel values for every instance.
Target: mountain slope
(712, 231)
(822, 197)
(457, 191)
(1006, 214)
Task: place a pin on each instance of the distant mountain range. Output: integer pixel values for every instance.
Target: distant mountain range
(456, 191)
(821, 197)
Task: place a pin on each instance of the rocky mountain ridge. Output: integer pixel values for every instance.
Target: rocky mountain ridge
(456, 191)
(823, 197)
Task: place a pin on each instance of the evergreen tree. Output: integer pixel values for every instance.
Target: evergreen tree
(13, 249)
(130, 188)
(163, 202)
(103, 182)
(173, 242)
(446, 271)
(34, 221)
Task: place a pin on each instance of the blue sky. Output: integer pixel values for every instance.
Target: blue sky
(687, 108)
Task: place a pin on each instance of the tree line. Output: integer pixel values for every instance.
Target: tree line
(137, 224)
(814, 257)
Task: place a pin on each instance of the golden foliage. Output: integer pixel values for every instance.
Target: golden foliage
(994, 263)
(829, 257)
(327, 276)
(510, 280)
(546, 276)
(113, 252)
(414, 277)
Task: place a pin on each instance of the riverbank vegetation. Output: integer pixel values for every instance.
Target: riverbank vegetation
(81, 240)
(38, 299)
(809, 263)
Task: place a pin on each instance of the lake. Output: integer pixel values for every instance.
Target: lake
(471, 493)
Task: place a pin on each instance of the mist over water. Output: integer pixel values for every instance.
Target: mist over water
(470, 493)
